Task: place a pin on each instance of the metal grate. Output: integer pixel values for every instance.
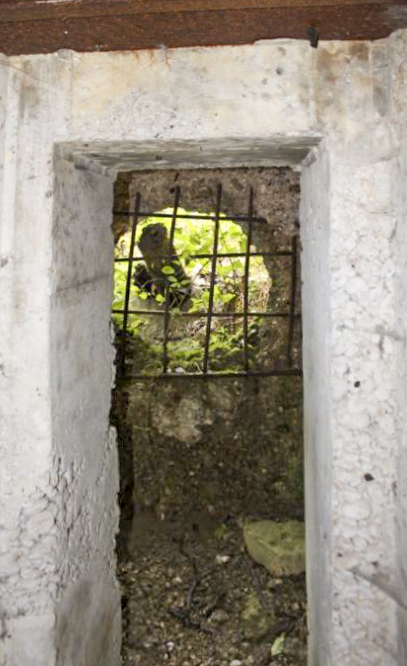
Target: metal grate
(292, 316)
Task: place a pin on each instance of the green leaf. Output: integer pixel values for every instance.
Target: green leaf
(167, 270)
(278, 645)
(118, 303)
(224, 270)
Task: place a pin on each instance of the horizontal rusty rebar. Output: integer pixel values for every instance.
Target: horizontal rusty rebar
(291, 372)
(220, 255)
(188, 216)
(198, 315)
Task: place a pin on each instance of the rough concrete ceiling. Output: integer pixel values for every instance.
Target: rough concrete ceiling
(41, 26)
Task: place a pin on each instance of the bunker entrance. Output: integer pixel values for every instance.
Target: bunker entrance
(207, 406)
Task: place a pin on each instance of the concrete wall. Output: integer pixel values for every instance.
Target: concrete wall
(84, 447)
(317, 345)
(396, 585)
(68, 121)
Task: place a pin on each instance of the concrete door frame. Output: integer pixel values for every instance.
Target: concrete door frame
(78, 178)
(271, 102)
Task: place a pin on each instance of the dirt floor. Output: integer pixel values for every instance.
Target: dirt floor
(192, 595)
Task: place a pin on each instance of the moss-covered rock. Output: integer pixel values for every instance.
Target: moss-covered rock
(280, 547)
(256, 620)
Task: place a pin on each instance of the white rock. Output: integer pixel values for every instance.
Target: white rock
(222, 559)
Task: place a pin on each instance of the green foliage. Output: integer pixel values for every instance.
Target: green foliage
(119, 294)
(195, 237)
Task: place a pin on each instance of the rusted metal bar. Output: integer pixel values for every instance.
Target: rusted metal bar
(177, 193)
(209, 314)
(221, 255)
(122, 347)
(188, 216)
(246, 285)
(291, 321)
(291, 372)
(212, 282)
(200, 315)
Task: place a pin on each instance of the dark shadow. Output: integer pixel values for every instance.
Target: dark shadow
(126, 468)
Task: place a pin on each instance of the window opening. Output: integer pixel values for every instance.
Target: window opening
(154, 267)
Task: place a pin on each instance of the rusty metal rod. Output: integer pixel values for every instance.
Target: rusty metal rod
(291, 372)
(167, 287)
(213, 276)
(291, 321)
(198, 315)
(122, 354)
(221, 255)
(187, 216)
(246, 285)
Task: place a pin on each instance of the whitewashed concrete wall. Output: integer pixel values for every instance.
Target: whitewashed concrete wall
(68, 121)
(316, 325)
(85, 450)
(398, 583)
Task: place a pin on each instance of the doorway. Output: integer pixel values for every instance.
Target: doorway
(209, 418)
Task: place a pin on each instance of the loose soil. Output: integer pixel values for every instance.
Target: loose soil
(187, 579)
(185, 587)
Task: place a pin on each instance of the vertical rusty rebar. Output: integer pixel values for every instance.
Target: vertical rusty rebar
(293, 289)
(212, 282)
(167, 286)
(122, 354)
(246, 284)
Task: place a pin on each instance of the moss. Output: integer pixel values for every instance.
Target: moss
(280, 547)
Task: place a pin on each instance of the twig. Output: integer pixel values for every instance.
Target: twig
(184, 615)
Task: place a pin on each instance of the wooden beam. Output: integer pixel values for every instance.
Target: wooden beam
(88, 25)
(30, 10)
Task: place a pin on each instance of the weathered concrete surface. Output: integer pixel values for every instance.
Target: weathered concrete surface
(316, 326)
(88, 617)
(397, 336)
(252, 105)
(59, 460)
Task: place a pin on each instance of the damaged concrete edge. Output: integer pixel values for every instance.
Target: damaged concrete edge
(109, 158)
(80, 161)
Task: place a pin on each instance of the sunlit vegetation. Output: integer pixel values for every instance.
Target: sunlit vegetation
(186, 335)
